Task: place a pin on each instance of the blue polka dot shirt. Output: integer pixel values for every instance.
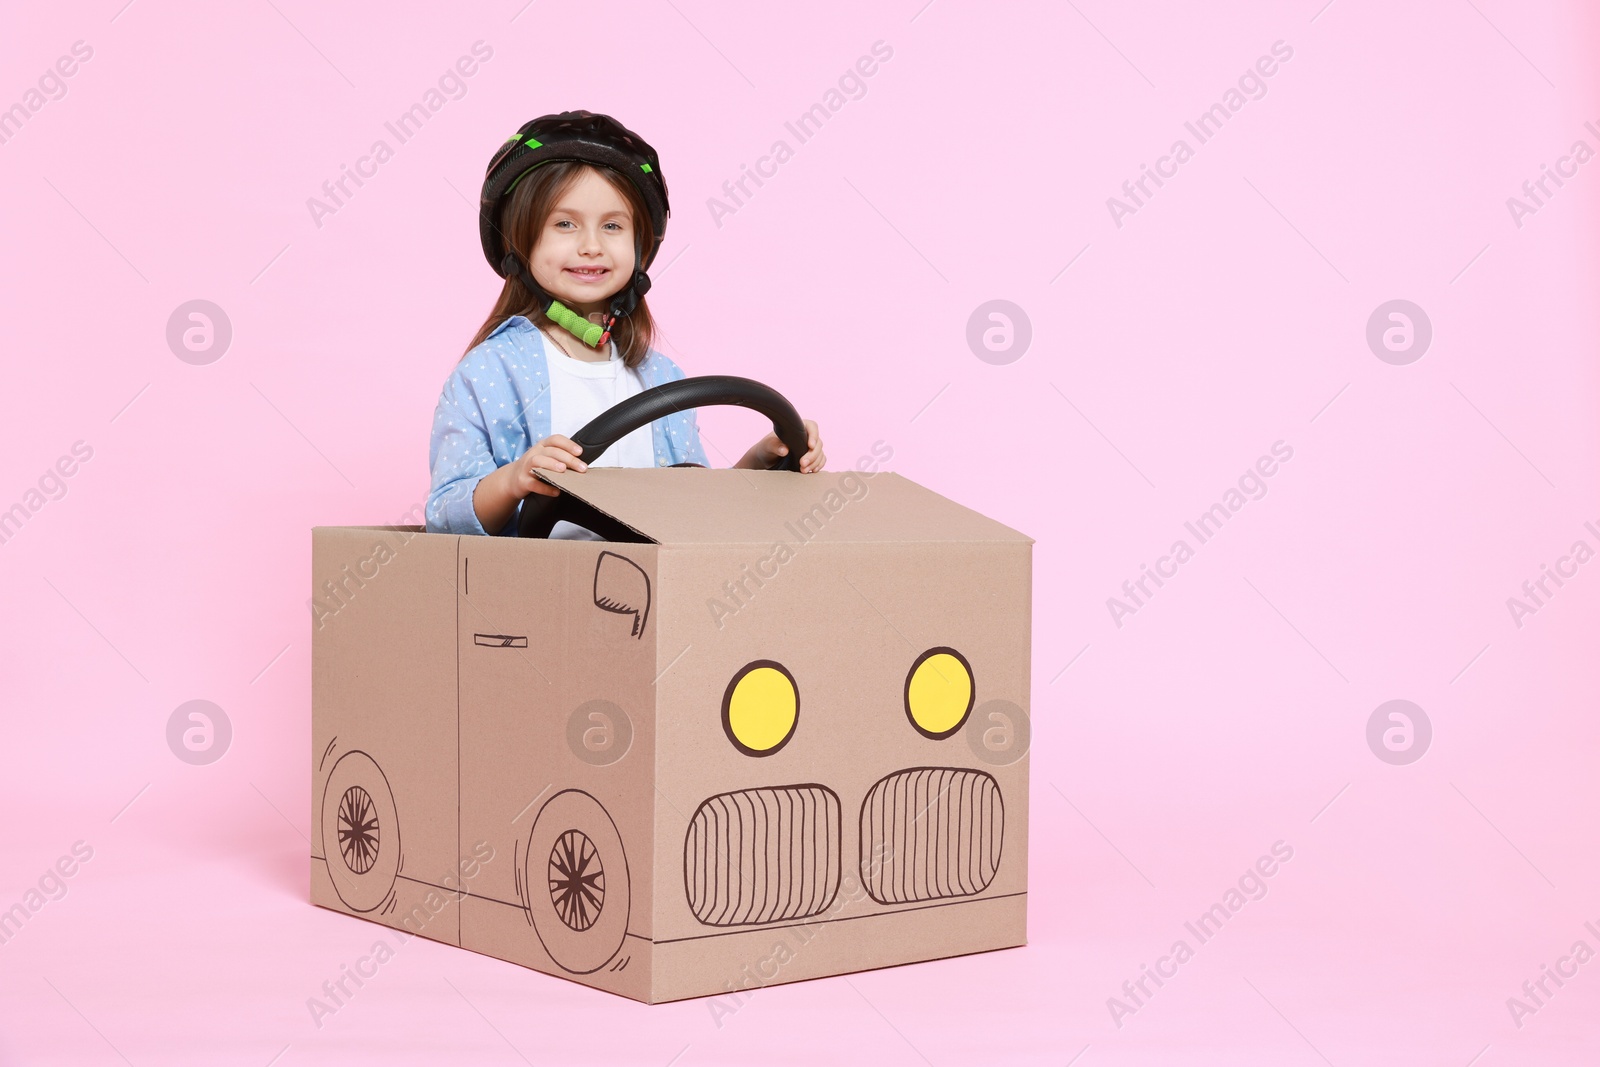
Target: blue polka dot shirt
(496, 405)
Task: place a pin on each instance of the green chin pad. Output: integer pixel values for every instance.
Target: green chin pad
(578, 326)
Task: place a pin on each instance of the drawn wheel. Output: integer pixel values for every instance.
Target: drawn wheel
(360, 832)
(577, 879)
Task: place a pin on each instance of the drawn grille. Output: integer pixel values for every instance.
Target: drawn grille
(762, 855)
(931, 832)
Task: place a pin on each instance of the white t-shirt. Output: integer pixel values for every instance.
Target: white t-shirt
(579, 391)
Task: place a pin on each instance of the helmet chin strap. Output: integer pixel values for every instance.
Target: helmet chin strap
(591, 334)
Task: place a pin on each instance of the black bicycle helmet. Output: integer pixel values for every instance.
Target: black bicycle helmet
(583, 137)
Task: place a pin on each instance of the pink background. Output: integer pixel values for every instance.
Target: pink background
(1226, 314)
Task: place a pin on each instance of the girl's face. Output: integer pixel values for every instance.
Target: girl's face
(584, 254)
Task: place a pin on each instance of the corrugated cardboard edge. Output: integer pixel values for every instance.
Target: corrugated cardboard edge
(583, 486)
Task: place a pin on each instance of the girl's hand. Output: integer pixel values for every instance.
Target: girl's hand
(555, 453)
(499, 494)
(767, 451)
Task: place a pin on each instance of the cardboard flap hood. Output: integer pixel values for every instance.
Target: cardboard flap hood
(695, 505)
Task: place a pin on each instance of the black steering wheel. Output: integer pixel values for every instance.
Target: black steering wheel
(539, 513)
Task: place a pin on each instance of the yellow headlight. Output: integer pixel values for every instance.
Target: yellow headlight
(761, 708)
(939, 692)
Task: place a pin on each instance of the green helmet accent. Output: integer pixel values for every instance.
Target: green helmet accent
(588, 332)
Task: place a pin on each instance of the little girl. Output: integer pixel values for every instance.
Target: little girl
(572, 213)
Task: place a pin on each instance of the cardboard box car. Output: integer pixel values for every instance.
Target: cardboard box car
(757, 744)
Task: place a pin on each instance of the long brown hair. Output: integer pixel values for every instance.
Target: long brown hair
(523, 219)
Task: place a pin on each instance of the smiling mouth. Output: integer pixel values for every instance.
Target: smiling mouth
(587, 274)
